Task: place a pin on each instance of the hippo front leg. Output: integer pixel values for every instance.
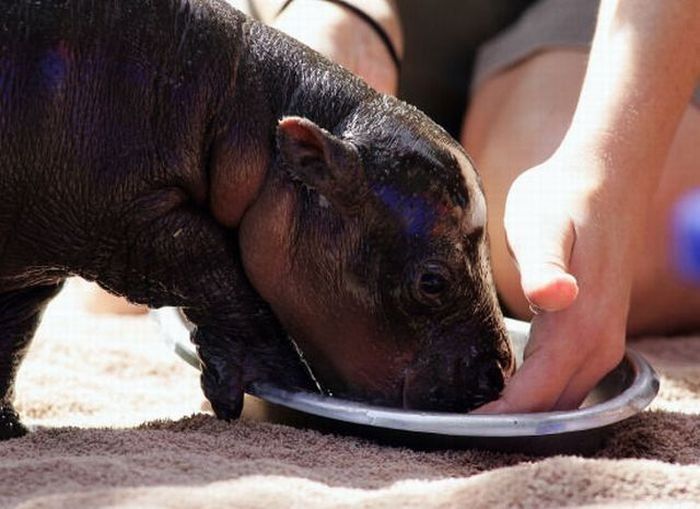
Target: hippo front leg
(20, 314)
(186, 259)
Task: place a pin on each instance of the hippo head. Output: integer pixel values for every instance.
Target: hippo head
(369, 245)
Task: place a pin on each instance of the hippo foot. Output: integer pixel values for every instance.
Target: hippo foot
(10, 427)
(224, 391)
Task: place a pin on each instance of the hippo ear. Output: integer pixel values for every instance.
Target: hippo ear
(320, 160)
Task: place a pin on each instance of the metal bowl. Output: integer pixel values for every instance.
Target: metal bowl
(624, 392)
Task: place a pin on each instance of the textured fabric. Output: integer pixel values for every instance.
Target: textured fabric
(546, 25)
(91, 380)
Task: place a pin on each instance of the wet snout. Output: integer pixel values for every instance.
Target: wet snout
(457, 379)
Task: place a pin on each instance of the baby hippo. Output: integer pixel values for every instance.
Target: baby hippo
(181, 154)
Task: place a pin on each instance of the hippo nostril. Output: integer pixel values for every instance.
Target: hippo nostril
(456, 383)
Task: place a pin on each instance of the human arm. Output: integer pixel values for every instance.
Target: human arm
(576, 222)
(341, 35)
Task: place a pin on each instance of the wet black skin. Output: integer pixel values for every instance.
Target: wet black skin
(141, 146)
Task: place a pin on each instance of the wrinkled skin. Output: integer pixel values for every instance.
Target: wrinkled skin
(181, 154)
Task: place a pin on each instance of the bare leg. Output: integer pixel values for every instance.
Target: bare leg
(517, 120)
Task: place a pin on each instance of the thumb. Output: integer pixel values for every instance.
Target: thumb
(541, 237)
(547, 285)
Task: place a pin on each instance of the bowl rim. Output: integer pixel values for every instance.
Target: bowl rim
(638, 395)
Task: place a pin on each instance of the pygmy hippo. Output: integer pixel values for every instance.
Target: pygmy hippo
(179, 153)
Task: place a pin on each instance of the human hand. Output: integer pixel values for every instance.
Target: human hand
(573, 232)
(576, 223)
(342, 36)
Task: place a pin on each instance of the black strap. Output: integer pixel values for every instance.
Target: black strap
(369, 20)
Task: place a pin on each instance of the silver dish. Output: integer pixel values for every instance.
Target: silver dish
(624, 392)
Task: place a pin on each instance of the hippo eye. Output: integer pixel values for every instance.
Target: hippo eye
(432, 283)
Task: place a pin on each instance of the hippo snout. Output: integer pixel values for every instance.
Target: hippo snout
(456, 390)
(451, 382)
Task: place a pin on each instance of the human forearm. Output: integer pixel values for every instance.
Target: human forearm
(376, 8)
(576, 224)
(384, 12)
(644, 63)
(366, 41)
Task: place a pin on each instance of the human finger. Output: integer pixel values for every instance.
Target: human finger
(590, 374)
(535, 387)
(541, 237)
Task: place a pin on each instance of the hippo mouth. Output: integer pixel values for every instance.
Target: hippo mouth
(432, 383)
(451, 373)
(461, 388)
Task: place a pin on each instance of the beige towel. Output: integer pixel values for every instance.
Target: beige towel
(90, 381)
